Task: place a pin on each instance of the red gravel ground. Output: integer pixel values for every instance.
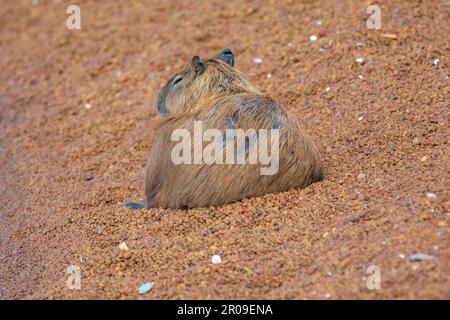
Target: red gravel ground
(66, 170)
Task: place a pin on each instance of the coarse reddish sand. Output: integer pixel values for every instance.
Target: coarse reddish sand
(78, 113)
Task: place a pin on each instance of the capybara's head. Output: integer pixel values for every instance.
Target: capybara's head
(202, 79)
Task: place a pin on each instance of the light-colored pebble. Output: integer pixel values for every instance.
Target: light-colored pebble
(146, 287)
(313, 38)
(421, 257)
(257, 60)
(123, 246)
(359, 60)
(431, 195)
(216, 259)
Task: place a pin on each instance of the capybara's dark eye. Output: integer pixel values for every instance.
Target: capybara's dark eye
(177, 79)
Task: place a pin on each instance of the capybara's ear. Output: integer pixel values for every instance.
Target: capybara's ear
(227, 56)
(198, 65)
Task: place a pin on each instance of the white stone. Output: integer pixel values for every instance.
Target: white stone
(216, 259)
(431, 195)
(257, 60)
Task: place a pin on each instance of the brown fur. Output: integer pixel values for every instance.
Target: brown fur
(215, 92)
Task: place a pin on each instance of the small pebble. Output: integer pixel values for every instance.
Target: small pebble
(421, 257)
(88, 106)
(435, 62)
(359, 44)
(360, 118)
(390, 36)
(359, 60)
(257, 60)
(361, 175)
(393, 98)
(216, 259)
(408, 203)
(269, 75)
(319, 23)
(423, 159)
(360, 76)
(99, 229)
(431, 195)
(416, 140)
(327, 89)
(34, 2)
(327, 295)
(372, 61)
(123, 247)
(290, 44)
(313, 38)
(401, 256)
(146, 287)
(88, 178)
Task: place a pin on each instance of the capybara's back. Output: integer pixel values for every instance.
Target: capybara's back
(222, 141)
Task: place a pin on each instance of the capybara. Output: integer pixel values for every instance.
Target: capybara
(212, 94)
